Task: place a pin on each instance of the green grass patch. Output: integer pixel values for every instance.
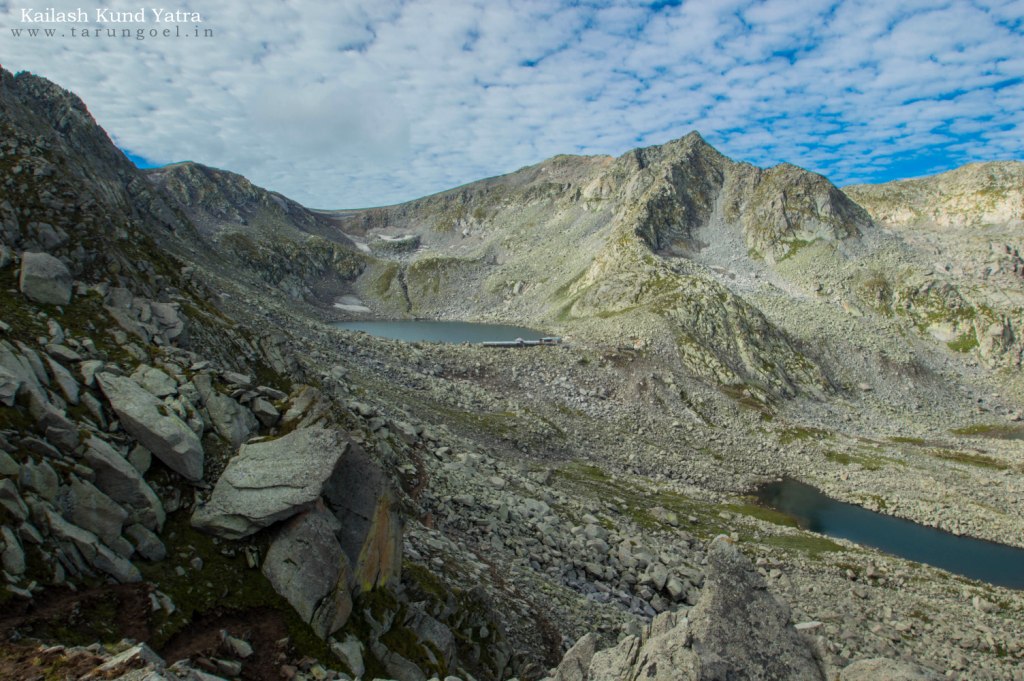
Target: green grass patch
(382, 284)
(965, 343)
(806, 542)
(908, 440)
(225, 582)
(999, 431)
(499, 424)
(795, 246)
(979, 460)
(871, 463)
(591, 482)
(769, 515)
(800, 433)
(748, 399)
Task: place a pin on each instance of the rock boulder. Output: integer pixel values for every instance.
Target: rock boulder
(154, 425)
(118, 478)
(231, 420)
(271, 481)
(736, 631)
(371, 532)
(45, 279)
(305, 564)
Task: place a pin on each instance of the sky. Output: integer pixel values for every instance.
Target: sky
(355, 103)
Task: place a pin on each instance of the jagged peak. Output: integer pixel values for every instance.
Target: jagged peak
(42, 89)
(34, 103)
(682, 148)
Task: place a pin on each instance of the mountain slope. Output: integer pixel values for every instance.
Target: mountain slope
(577, 241)
(178, 423)
(974, 195)
(300, 252)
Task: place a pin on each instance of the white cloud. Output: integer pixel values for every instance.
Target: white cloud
(364, 102)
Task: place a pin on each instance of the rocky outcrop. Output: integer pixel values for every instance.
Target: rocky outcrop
(342, 533)
(307, 566)
(151, 423)
(271, 481)
(45, 279)
(736, 631)
(739, 628)
(232, 421)
(973, 195)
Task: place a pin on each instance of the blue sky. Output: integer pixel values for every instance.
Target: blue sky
(358, 103)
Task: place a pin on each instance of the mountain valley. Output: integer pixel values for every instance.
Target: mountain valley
(188, 441)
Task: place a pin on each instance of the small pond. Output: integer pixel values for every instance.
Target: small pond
(410, 330)
(986, 561)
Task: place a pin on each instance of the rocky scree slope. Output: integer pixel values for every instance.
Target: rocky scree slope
(299, 252)
(129, 404)
(458, 550)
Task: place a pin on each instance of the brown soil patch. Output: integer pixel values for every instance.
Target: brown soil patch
(262, 628)
(107, 613)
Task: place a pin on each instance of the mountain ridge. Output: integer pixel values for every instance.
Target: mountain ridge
(471, 511)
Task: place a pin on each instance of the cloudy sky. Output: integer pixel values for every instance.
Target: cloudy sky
(354, 103)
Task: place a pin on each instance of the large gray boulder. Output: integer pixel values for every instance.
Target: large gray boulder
(39, 478)
(305, 564)
(10, 383)
(12, 556)
(90, 548)
(229, 419)
(64, 379)
(87, 507)
(121, 481)
(271, 481)
(741, 630)
(371, 535)
(737, 631)
(16, 375)
(154, 425)
(45, 279)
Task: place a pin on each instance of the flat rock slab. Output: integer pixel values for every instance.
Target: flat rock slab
(150, 422)
(270, 481)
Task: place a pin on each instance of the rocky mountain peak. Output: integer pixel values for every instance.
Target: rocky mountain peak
(679, 150)
(689, 194)
(45, 108)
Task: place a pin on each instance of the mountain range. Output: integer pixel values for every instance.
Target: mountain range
(187, 438)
